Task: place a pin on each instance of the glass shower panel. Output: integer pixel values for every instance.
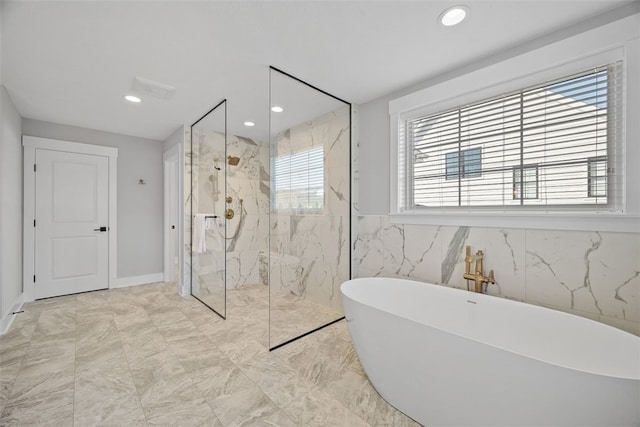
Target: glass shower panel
(208, 192)
(310, 221)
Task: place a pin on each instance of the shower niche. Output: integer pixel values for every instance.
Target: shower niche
(271, 211)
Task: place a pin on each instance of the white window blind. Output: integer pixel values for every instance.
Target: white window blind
(299, 181)
(550, 146)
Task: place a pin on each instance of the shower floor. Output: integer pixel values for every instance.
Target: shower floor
(144, 356)
(290, 316)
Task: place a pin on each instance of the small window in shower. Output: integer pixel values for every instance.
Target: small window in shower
(299, 181)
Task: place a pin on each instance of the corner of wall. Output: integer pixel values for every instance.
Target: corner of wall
(11, 292)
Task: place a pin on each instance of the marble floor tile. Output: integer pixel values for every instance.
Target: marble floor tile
(234, 396)
(279, 381)
(241, 351)
(317, 408)
(44, 399)
(106, 396)
(144, 356)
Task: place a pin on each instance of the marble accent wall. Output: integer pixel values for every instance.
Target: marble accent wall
(246, 246)
(185, 285)
(590, 274)
(310, 252)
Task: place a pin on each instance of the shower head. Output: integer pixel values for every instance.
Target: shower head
(233, 160)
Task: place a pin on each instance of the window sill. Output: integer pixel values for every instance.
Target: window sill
(610, 222)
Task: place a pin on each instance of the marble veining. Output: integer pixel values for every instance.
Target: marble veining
(592, 274)
(146, 356)
(307, 250)
(454, 251)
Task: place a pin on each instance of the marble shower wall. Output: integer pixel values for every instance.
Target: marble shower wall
(248, 231)
(310, 252)
(590, 274)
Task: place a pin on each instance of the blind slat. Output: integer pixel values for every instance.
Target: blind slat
(547, 145)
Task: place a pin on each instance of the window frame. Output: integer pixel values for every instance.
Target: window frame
(456, 162)
(591, 162)
(523, 168)
(609, 43)
(461, 164)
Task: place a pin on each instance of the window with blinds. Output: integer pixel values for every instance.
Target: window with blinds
(299, 181)
(550, 146)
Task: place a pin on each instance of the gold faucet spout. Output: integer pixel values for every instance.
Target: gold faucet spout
(478, 276)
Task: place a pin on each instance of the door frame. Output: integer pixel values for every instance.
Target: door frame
(31, 144)
(171, 159)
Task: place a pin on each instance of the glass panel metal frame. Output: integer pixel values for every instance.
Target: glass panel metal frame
(222, 313)
(274, 346)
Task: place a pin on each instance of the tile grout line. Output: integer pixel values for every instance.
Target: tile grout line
(236, 365)
(126, 358)
(22, 358)
(201, 394)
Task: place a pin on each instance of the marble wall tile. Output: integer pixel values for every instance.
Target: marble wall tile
(243, 269)
(412, 251)
(355, 184)
(254, 194)
(337, 150)
(185, 286)
(213, 179)
(315, 262)
(251, 233)
(368, 245)
(590, 274)
(593, 272)
(503, 252)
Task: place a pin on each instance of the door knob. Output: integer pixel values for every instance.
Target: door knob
(101, 229)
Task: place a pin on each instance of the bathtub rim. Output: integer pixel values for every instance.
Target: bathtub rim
(635, 376)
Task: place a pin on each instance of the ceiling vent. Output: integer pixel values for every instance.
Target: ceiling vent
(148, 87)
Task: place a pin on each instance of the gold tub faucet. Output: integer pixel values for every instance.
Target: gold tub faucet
(478, 276)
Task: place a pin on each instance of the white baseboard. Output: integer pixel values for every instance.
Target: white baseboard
(123, 282)
(7, 319)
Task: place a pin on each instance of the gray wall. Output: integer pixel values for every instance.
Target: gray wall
(174, 139)
(11, 211)
(140, 207)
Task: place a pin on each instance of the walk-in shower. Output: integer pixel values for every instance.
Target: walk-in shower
(271, 211)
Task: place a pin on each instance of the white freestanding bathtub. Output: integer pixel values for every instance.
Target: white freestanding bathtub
(444, 356)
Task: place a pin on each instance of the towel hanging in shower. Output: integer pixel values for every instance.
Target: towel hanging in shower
(211, 224)
(199, 233)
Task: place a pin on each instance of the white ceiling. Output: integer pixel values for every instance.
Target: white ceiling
(72, 62)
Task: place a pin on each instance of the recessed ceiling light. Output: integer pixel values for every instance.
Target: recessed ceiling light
(453, 16)
(132, 98)
(277, 109)
(249, 124)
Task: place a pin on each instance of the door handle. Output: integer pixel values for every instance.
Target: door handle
(101, 229)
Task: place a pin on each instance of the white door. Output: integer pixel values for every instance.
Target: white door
(72, 223)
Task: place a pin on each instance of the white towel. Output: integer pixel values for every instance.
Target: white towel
(199, 233)
(213, 226)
